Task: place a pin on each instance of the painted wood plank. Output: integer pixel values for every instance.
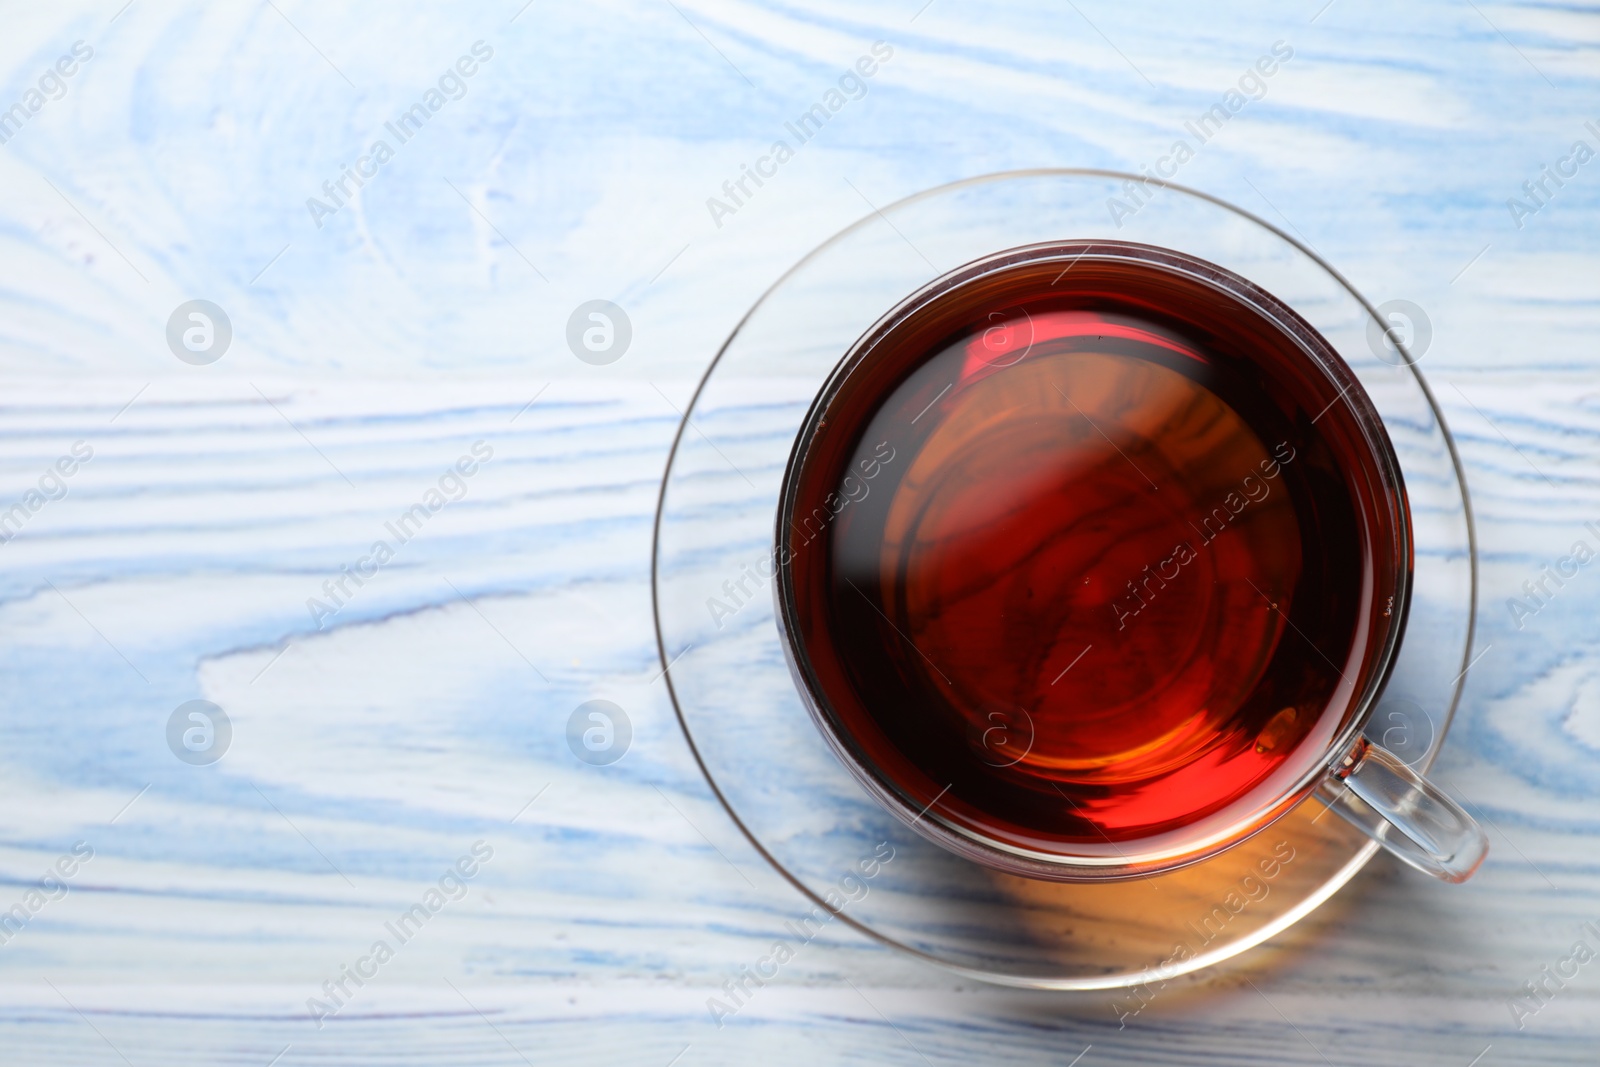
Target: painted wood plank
(372, 750)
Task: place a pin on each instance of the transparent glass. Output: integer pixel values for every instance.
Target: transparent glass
(1421, 813)
(1407, 814)
(748, 726)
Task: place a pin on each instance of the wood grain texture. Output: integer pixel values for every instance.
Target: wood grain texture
(372, 751)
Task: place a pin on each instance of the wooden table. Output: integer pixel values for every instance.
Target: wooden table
(380, 333)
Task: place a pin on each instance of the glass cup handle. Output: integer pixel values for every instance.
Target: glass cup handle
(1374, 790)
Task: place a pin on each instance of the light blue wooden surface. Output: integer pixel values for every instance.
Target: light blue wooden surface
(369, 354)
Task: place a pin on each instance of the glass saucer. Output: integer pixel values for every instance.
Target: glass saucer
(751, 734)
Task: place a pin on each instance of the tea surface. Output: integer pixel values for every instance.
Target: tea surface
(1108, 574)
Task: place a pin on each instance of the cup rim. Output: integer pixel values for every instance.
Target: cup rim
(1317, 352)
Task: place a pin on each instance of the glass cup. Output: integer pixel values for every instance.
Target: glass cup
(1369, 786)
